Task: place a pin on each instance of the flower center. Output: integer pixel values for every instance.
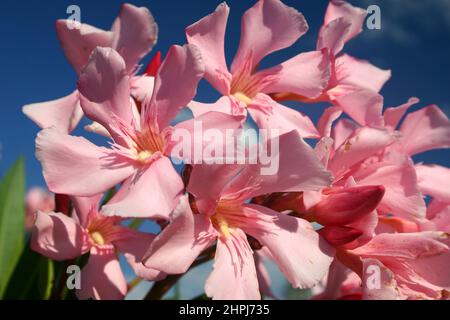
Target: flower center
(242, 97)
(144, 156)
(227, 216)
(221, 224)
(103, 230)
(97, 238)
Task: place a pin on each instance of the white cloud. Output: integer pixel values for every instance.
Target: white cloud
(401, 19)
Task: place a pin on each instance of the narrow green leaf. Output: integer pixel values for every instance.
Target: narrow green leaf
(12, 234)
(33, 277)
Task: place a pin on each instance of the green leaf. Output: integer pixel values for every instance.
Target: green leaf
(33, 277)
(12, 212)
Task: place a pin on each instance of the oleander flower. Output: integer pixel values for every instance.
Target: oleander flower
(222, 214)
(133, 35)
(62, 237)
(267, 27)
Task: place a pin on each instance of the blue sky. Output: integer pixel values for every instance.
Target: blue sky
(413, 42)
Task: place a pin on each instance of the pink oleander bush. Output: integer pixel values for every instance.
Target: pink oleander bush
(335, 210)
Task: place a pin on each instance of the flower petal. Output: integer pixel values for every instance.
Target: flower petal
(84, 206)
(134, 246)
(398, 176)
(306, 74)
(73, 165)
(425, 129)
(135, 34)
(208, 34)
(152, 193)
(58, 237)
(392, 116)
(181, 242)
(234, 268)
(364, 106)
(433, 181)
(104, 87)
(330, 115)
(78, 43)
(297, 249)
(267, 27)
(341, 9)
(360, 73)
(64, 113)
(102, 278)
(269, 115)
(180, 72)
(363, 143)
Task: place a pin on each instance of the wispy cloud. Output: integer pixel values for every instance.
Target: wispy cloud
(401, 19)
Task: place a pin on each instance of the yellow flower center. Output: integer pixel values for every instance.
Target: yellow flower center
(97, 238)
(144, 155)
(242, 97)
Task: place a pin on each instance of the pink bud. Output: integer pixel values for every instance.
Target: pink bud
(345, 205)
(338, 236)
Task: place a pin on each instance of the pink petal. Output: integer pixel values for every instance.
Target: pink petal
(78, 43)
(181, 242)
(334, 35)
(234, 268)
(296, 248)
(208, 34)
(264, 281)
(342, 130)
(306, 74)
(63, 113)
(342, 206)
(433, 181)
(364, 106)
(225, 104)
(360, 145)
(152, 193)
(425, 129)
(439, 213)
(269, 114)
(409, 246)
(189, 140)
(135, 33)
(330, 115)
(104, 87)
(388, 289)
(342, 9)
(392, 116)
(102, 277)
(73, 165)
(134, 246)
(58, 237)
(142, 87)
(402, 196)
(323, 150)
(84, 206)
(180, 72)
(267, 27)
(283, 174)
(360, 73)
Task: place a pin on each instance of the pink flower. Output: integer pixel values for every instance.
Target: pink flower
(267, 27)
(61, 237)
(354, 84)
(141, 141)
(413, 265)
(133, 34)
(37, 199)
(222, 213)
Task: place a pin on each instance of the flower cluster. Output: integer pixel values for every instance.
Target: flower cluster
(333, 212)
